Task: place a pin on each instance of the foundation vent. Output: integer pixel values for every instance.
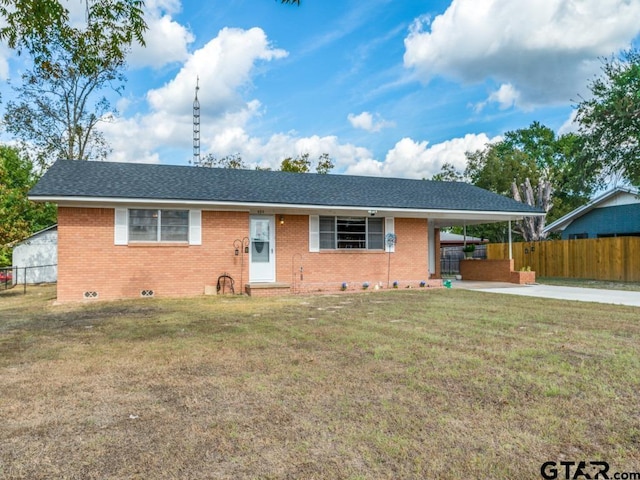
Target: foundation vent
(90, 294)
(146, 293)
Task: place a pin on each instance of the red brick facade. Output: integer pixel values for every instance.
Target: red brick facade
(327, 270)
(89, 261)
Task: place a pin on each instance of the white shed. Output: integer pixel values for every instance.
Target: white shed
(39, 254)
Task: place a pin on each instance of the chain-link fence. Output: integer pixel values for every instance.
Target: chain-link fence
(11, 277)
(7, 274)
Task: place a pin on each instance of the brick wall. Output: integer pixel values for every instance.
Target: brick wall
(486, 270)
(523, 278)
(88, 260)
(327, 270)
(494, 271)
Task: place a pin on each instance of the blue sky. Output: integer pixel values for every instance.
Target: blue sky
(385, 87)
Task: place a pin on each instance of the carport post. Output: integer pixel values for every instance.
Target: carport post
(510, 246)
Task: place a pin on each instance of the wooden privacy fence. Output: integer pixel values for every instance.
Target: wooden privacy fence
(599, 258)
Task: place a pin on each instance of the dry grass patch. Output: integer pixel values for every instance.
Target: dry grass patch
(397, 384)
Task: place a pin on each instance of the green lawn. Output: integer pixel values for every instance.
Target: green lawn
(393, 384)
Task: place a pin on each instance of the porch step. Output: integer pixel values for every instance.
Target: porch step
(267, 289)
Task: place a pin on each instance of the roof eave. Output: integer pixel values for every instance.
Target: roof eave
(471, 215)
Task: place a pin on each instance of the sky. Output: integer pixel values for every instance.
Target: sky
(385, 87)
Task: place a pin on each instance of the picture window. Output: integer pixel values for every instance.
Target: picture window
(147, 225)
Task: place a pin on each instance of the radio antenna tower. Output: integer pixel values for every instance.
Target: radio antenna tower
(196, 126)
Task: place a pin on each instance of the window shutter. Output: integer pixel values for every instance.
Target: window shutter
(195, 227)
(389, 225)
(120, 235)
(314, 233)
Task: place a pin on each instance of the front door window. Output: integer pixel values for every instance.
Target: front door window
(262, 249)
(260, 233)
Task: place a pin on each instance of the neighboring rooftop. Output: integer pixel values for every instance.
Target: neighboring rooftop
(608, 198)
(73, 179)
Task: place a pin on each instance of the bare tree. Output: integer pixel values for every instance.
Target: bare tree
(531, 228)
(57, 112)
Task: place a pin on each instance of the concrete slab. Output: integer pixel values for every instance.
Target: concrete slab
(615, 297)
(478, 285)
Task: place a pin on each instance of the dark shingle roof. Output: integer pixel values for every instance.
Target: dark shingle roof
(72, 178)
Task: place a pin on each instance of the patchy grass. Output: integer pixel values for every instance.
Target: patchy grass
(585, 283)
(395, 384)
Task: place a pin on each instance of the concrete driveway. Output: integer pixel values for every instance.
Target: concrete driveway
(615, 297)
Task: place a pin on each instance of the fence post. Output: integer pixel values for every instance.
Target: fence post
(24, 292)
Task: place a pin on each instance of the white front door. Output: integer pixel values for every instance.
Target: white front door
(262, 256)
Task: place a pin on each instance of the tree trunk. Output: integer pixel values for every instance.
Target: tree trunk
(531, 228)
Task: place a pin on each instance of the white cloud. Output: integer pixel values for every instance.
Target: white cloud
(368, 122)
(166, 41)
(506, 97)
(5, 54)
(132, 140)
(224, 66)
(412, 159)
(270, 152)
(570, 125)
(545, 50)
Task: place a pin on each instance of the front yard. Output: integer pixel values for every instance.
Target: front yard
(396, 384)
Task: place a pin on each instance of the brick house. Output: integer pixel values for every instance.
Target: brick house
(131, 230)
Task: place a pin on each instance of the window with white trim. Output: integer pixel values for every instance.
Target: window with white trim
(157, 225)
(362, 233)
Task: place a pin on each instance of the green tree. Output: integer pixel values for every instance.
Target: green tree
(610, 119)
(19, 217)
(538, 154)
(497, 166)
(233, 161)
(299, 164)
(38, 25)
(573, 181)
(448, 173)
(535, 153)
(558, 160)
(60, 100)
(302, 164)
(325, 164)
